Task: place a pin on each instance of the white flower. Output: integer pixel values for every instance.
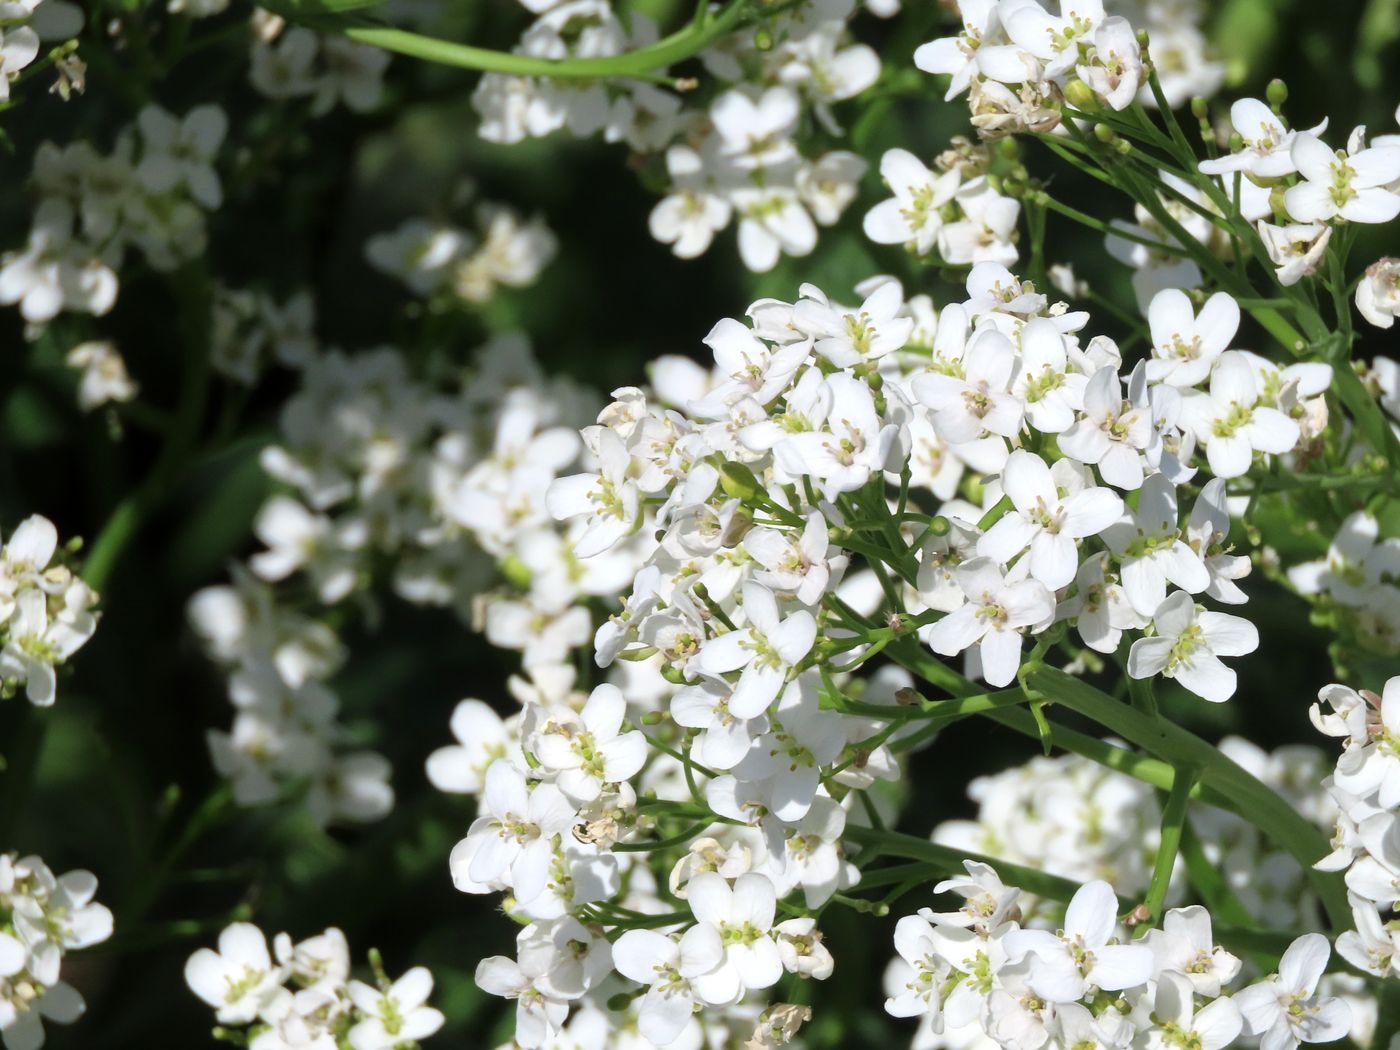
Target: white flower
(1053, 508)
(957, 55)
(1267, 144)
(1207, 533)
(1053, 40)
(772, 222)
(1051, 392)
(482, 738)
(180, 152)
(913, 216)
(37, 643)
(987, 229)
(690, 215)
(513, 838)
(756, 133)
(1342, 186)
(1114, 69)
(1373, 945)
(1371, 765)
(829, 184)
(240, 980)
(792, 562)
(396, 1014)
(993, 619)
(1232, 423)
(539, 1014)
(1184, 945)
(55, 271)
(1185, 345)
(1082, 956)
(1214, 1027)
(589, 751)
(852, 446)
(666, 966)
(765, 651)
(1113, 433)
(848, 338)
(1188, 644)
(987, 900)
(1149, 548)
(1100, 610)
(609, 499)
(724, 737)
(921, 994)
(976, 403)
(104, 376)
(1296, 249)
(747, 367)
(1378, 293)
(742, 916)
(1283, 1007)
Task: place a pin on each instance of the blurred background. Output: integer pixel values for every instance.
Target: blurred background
(122, 764)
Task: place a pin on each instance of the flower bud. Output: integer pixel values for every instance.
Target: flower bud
(1277, 94)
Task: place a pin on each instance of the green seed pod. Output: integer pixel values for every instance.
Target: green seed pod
(738, 481)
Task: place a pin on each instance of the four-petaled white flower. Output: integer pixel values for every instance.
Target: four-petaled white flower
(993, 618)
(1339, 185)
(1054, 506)
(1187, 645)
(1284, 1009)
(764, 652)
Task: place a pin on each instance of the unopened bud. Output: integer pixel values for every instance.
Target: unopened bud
(1137, 916)
(1104, 133)
(940, 526)
(907, 697)
(1200, 108)
(763, 40)
(738, 481)
(1277, 94)
(1080, 95)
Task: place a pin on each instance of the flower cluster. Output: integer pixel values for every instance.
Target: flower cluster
(42, 917)
(440, 260)
(151, 193)
(954, 209)
(734, 158)
(439, 482)
(297, 63)
(1019, 62)
(1356, 582)
(1366, 787)
(27, 23)
(300, 996)
(46, 611)
(977, 973)
(819, 402)
(1071, 817)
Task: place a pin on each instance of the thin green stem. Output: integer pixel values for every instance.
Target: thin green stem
(1173, 818)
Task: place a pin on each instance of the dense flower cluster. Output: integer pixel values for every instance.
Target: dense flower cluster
(1366, 787)
(1073, 818)
(981, 974)
(42, 917)
(46, 611)
(733, 158)
(793, 567)
(1016, 59)
(300, 996)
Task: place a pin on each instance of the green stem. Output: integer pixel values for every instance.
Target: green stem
(684, 43)
(1173, 818)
